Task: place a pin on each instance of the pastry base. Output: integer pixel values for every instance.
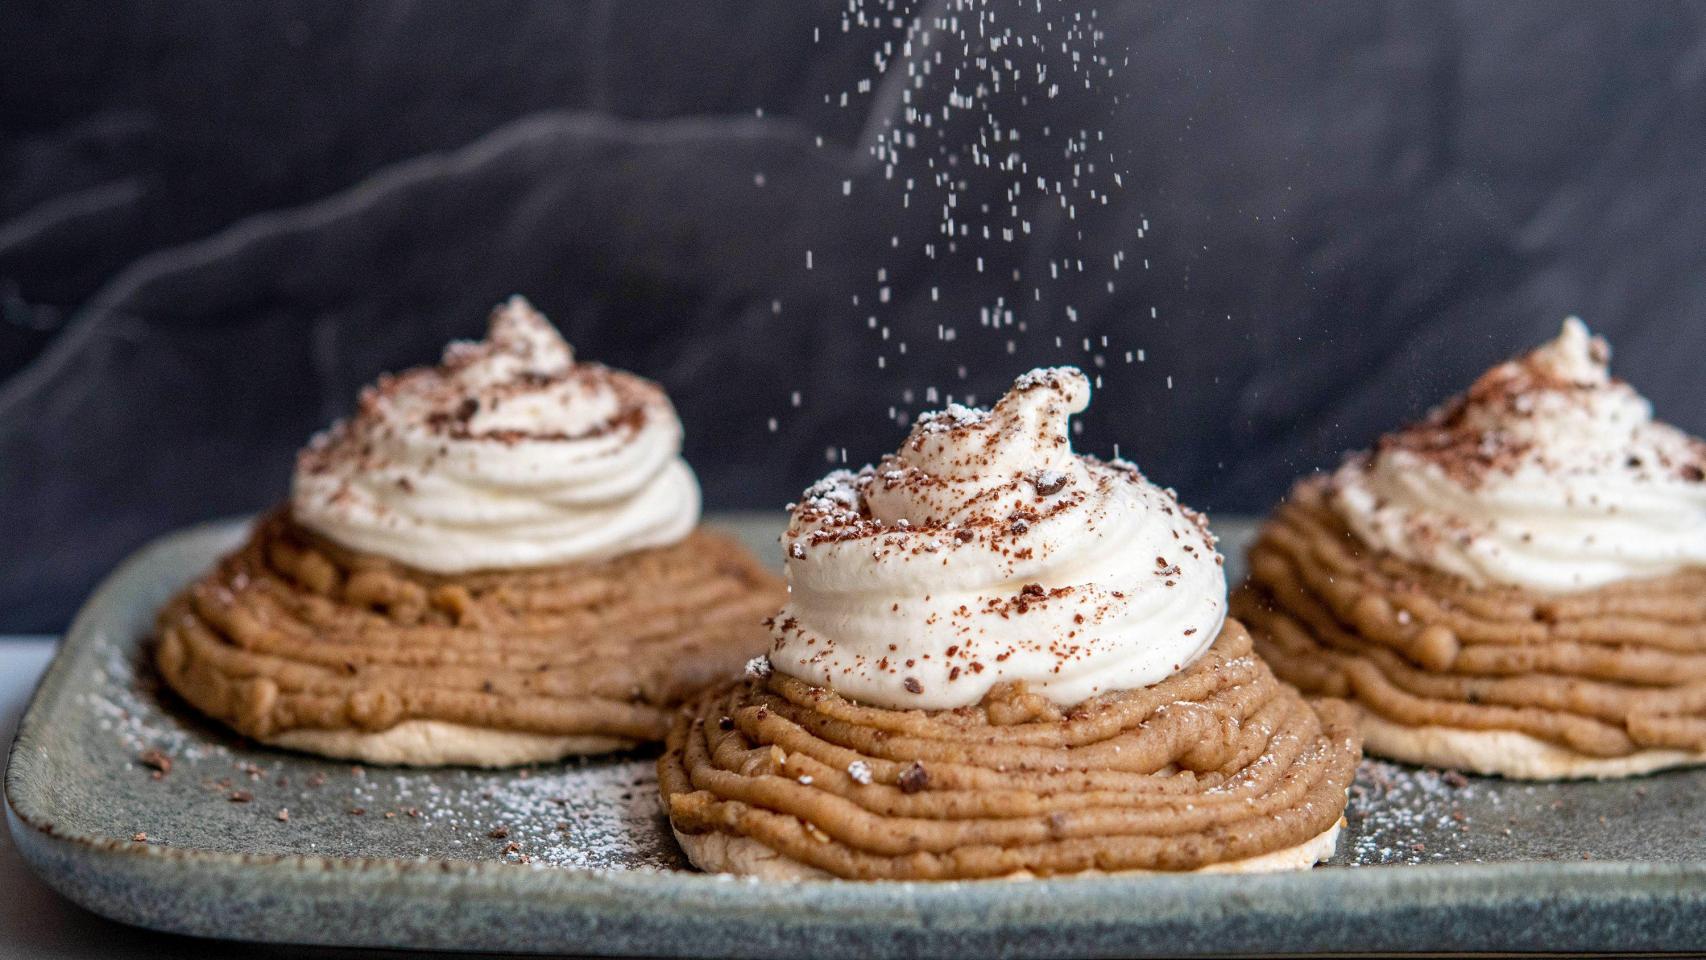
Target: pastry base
(1506, 753)
(434, 743)
(717, 852)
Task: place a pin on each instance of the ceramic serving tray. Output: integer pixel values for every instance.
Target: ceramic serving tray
(241, 841)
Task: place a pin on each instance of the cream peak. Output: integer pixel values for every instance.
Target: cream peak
(519, 343)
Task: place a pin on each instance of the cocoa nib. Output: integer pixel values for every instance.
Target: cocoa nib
(912, 685)
(914, 778)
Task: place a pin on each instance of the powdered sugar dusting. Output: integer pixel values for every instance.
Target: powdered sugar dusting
(955, 416)
(1401, 814)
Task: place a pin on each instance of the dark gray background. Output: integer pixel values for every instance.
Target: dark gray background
(218, 219)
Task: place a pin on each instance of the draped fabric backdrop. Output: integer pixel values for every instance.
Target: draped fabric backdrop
(218, 220)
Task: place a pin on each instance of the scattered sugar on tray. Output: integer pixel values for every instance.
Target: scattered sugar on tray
(1401, 814)
(615, 817)
(129, 708)
(593, 814)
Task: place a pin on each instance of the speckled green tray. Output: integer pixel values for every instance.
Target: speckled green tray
(576, 857)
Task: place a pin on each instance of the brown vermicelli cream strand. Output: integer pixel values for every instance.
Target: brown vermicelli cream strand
(1397, 603)
(293, 632)
(1606, 672)
(1216, 764)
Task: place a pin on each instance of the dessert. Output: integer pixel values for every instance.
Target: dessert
(1515, 585)
(494, 561)
(1002, 658)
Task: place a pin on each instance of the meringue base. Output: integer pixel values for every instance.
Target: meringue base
(716, 852)
(1507, 753)
(435, 743)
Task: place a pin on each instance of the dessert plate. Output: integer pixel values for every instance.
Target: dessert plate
(240, 841)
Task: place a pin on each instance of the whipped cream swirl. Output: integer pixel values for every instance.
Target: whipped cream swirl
(985, 551)
(508, 454)
(1547, 474)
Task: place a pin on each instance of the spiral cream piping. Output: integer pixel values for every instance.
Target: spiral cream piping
(508, 454)
(987, 551)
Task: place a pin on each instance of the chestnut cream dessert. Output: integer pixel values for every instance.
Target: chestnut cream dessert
(497, 560)
(1515, 585)
(1001, 658)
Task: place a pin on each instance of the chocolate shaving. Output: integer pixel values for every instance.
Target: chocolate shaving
(1049, 483)
(914, 778)
(158, 761)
